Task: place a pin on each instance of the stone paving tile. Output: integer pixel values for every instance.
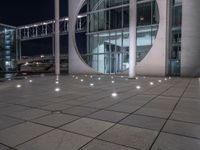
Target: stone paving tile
(130, 136)
(182, 128)
(79, 111)
(167, 141)
(30, 114)
(123, 107)
(102, 145)
(108, 116)
(21, 133)
(6, 122)
(102, 103)
(88, 127)
(55, 120)
(144, 122)
(56, 107)
(12, 109)
(56, 140)
(154, 112)
(2, 147)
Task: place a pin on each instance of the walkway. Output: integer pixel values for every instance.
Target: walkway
(100, 113)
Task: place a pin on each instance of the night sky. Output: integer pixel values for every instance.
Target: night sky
(22, 12)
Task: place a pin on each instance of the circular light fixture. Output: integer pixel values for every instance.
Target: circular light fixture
(113, 82)
(151, 83)
(136, 78)
(76, 78)
(19, 86)
(91, 84)
(138, 87)
(57, 89)
(114, 94)
(159, 81)
(30, 81)
(82, 80)
(99, 78)
(57, 82)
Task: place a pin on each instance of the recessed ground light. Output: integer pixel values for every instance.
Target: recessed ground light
(99, 78)
(30, 81)
(57, 89)
(86, 75)
(151, 83)
(122, 76)
(91, 77)
(112, 77)
(26, 78)
(170, 78)
(138, 87)
(136, 78)
(57, 82)
(19, 86)
(114, 94)
(76, 78)
(113, 81)
(81, 80)
(159, 81)
(91, 84)
(73, 76)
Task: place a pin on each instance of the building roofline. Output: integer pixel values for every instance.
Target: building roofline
(7, 25)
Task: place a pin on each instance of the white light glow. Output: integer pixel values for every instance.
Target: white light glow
(170, 78)
(113, 81)
(91, 77)
(76, 78)
(112, 77)
(91, 84)
(151, 83)
(57, 82)
(73, 76)
(159, 81)
(165, 79)
(19, 86)
(82, 80)
(138, 87)
(114, 94)
(99, 78)
(122, 76)
(57, 89)
(30, 81)
(136, 78)
(85, 75)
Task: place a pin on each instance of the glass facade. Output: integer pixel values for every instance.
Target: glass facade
(176, 34)
(108, 33)
(7, 48)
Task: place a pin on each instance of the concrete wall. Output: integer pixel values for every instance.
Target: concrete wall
(153, 64)
(76, 64)
(155, 61)
(190, 55)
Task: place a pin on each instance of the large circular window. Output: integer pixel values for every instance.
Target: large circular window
(104, 42)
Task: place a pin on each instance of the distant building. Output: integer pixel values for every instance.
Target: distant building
(7, 48)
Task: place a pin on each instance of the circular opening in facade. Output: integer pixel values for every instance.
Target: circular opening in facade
(102, 33)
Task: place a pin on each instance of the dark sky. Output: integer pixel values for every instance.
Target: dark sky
(21, 12)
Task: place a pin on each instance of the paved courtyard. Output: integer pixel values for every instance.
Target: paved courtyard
(100, 113)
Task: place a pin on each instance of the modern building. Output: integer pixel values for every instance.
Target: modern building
(7, 48)
(167, 39)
